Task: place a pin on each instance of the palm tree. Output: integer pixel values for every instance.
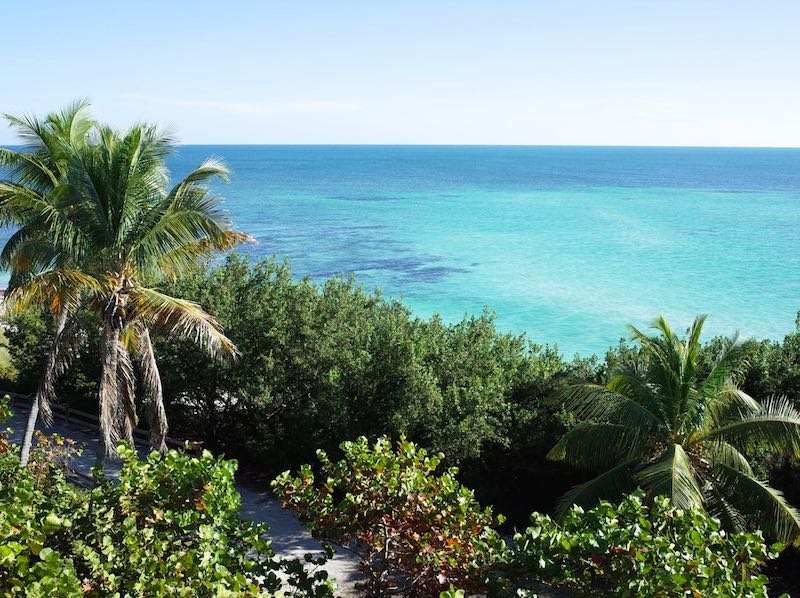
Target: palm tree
(131, 231)
(674, 430)
(33, 198)
(107, 231)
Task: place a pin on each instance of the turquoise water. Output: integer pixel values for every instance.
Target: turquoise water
(567, 244)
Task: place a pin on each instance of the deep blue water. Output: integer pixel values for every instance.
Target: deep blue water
(567, 244)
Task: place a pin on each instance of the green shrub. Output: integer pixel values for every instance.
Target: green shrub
(168, 527)
(323, 363)
(35, 517)
(29, 524)
(416, 531)
(637, 550)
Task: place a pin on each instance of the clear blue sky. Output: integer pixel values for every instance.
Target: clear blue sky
(528, 72)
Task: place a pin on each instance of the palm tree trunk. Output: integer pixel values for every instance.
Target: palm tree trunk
(45, 390)
(154, 393)
(108, 394)
(128, 419)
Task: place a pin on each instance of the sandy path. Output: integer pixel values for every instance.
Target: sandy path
(289, 537)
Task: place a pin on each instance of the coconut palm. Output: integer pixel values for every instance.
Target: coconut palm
(33, 198)
(108, 231)
(676, 430)
(130, 231)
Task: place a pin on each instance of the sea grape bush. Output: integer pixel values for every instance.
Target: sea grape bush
(168, 527)
(636, 549)
(32, 522)
(417, 531)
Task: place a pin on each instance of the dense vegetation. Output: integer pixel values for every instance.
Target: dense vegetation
(168, 527)
(633, 549)
(324, 364)
(419, 533)
(676, 431)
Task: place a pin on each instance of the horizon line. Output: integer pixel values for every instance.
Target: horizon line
(519, 145)
(522, 145)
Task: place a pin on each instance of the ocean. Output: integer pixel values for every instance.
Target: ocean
(564, 244)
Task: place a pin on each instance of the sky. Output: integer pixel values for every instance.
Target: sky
(709, 73)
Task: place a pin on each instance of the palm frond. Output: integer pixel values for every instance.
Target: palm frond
(608, 485)
(45, 392)
(718, 397)
(760, 504)
(55, 134)
(69, 343)
(180, 318)
(631, 384)
(718, 505)
(20, 204)
(775, 426)
(666, 354)
(210, 169)
(153, 392)
(73, 122)
(609, 404)
(27, 254)
(171, 225)
(126, 384)
(598, 445)
(30, 130)
(726, 454)
(729, 404)
(28, 169)
(672, 475)
(173, 263)
(52, 289)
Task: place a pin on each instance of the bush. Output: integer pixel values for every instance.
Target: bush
(167, 527)
(170, 526)
(637, 550)
(325, 363)
(416, 532)
(35, 515)
(29, 524)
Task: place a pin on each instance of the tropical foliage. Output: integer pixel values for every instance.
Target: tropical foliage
(417, 532)
(31, 199)
(98, 223)
(323, 364)
(633, 549)
(676, 430)
(168, 527)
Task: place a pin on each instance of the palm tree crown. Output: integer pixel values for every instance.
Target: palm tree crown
(678, 431)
